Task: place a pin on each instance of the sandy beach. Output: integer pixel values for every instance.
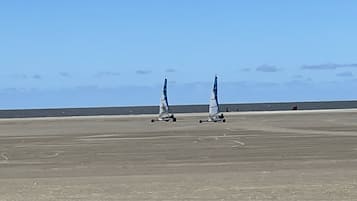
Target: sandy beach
(287, 156)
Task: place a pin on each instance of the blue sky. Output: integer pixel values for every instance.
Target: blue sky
(116, 53)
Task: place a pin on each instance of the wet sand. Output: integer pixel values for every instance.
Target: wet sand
(295, 155)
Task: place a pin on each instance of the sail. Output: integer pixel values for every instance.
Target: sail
(164, 105)
(213, 104)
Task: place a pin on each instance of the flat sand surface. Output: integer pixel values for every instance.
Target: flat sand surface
(283, 156)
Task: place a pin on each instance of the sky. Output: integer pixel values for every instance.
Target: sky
(88, 53)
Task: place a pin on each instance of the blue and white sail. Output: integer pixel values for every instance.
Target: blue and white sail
(214, 114)
(164, 104)
(213, 104)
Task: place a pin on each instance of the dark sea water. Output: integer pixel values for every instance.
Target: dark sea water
(62, 112)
